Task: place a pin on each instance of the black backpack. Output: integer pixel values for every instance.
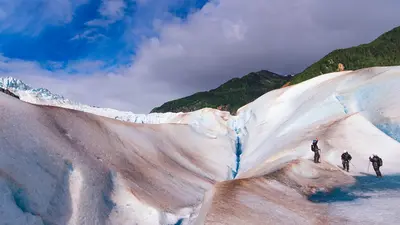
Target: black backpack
(380, 162)
(313, 148)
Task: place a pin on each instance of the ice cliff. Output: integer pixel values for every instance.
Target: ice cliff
(81, 166)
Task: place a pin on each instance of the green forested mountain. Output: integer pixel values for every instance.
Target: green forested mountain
(229, 96)
(383, 51)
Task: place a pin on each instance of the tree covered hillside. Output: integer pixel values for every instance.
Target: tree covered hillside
(383, 51)
(230, 96)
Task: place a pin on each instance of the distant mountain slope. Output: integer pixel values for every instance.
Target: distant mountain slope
(383, 51)
(229, 96)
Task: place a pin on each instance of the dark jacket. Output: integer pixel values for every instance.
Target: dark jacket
(376, 161)
(314, 147)
(346, 156)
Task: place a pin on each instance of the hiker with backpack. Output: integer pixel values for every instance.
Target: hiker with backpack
(376, 163)
(346, 157)
(315, 149)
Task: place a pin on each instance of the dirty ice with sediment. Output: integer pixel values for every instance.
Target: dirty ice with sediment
(63, 162)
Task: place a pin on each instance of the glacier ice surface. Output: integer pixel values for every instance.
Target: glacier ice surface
(207, 166)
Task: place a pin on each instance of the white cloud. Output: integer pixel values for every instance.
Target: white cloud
(112, 8)
(86, 66)
(99, 23)
(110, 11)
(225, 39)
(8, 65)
(232, 37)
(106, 89)
(91, 35)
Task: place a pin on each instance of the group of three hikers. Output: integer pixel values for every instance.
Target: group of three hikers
(346, 157)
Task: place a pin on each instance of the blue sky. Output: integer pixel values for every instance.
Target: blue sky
(101, 30)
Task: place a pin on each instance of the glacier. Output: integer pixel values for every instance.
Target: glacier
(62, 162)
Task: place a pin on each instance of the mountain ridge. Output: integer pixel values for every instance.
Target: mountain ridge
(382, 51)
(236, 91)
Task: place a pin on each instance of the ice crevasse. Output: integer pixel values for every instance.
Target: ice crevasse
(77, 164)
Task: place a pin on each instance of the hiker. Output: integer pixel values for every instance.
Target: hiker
(315, 149)
(346, 157)
(376, 163)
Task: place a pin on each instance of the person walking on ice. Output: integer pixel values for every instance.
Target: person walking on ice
(376, 164)
(315, 149)
(346, 157)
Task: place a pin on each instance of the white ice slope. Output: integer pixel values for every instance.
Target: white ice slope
(346, 110)
(59, 166)
(214, 120)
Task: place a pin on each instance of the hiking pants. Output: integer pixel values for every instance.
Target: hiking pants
(345, 165)
(377, 171)
(316, 156)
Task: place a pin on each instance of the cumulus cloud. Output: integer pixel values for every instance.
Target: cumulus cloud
(227, 38)
(115, 89)
(231, 38)
(86, 66)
